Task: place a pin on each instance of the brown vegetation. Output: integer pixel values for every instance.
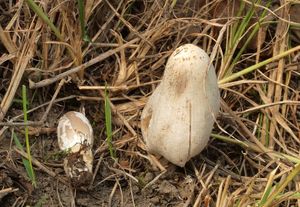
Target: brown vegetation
(253, 156)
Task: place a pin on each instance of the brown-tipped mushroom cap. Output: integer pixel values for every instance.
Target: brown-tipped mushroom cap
(179, 116)
(73, 129)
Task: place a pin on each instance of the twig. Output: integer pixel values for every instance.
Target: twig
(112, 194)
(29, 123)
(41, 166)
(154, 180)
(44, 117)
(96, 171)
(124, 173)
(131, 193)
(13, 124)
(121, 87)
(93, 61)
(6, 191)
(61, 83)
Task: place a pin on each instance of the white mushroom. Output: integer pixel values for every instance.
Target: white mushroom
(179, 116)
(75, 134)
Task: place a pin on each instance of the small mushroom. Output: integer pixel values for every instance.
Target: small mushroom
(75, 135)
(178, 118)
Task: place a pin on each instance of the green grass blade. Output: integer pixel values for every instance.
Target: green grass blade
(254, 31)
(84, 34)
(108, 125)
(45, 18)
(81, 15)
(282, 185)
(235, 36)
(173, 4)
(258, 65)
(24, 161)
(251, 146)
(244, 24)
(265, 197)
(31, 172)
(235, 27)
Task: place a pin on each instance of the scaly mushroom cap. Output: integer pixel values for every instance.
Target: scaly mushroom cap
(73, 129)
(178, 118)
(75, 134)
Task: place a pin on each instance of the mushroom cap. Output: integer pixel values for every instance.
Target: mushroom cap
(73, 130)
(178, 118)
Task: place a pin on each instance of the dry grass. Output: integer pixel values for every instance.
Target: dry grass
(253, 158)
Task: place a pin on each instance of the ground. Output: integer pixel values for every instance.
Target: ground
(79, 55)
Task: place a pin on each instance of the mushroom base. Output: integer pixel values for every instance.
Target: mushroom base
(78, 167)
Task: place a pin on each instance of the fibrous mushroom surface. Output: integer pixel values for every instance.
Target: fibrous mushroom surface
(179, 116)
